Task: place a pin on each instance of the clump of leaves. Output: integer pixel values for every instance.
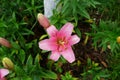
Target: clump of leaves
(109, 9)
(73, 10)
(68, 76)
(94, 72)
(114, 66)
(106, 34)
(31, 70)
(17, 20)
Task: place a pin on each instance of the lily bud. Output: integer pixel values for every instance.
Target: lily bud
(43, 20)
(7, 63)
(5, 42)
(118, 39)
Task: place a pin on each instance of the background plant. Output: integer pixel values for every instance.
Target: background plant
(94, 72)
(72, 10)
(68, 76)
(17, 24)
(110, 9)
(105, 34)
(114, 66)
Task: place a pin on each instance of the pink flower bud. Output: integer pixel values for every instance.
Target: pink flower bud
(43, 20)
(5, 42)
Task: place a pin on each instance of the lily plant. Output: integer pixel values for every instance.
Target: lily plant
(60, 42)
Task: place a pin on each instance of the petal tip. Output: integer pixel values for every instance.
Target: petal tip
(70, 24)
(71, 61)
(74, 39)
(3, 72)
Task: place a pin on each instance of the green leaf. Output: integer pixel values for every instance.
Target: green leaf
(14, 16)
(22, 56)
(43, 36)
(84, 13)
(27, 32)
(15, 45)
(29, 64)
(47, 74)
(2, 24)
(78, 32)
(36, 77)
(28, 45)
(19, 71)
(32, 2)
(21, 78)
(66, 6)
(37, 59)
(29, 61)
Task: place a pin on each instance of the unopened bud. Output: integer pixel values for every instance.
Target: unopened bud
(5, 42)
(7, 63)
(43, 20)
(118, 39)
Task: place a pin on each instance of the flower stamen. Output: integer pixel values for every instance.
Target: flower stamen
(60, 42)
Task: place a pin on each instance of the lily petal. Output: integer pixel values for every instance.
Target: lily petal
(66, 29)
(68, 54)
(3, 72)
(55, 55)
(47, 44)
(74, 39)
(52, 30)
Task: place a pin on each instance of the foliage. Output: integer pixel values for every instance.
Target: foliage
(31, 71)
(68, 76)
(18, 25)
(94, 72)
(17, 20)
(69, 10)
(105, 34)
(114, 66)
(110, 9)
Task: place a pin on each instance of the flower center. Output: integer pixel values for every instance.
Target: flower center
(62, 44)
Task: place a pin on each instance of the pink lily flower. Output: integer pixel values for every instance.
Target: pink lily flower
(3, 73)
(60, 42)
